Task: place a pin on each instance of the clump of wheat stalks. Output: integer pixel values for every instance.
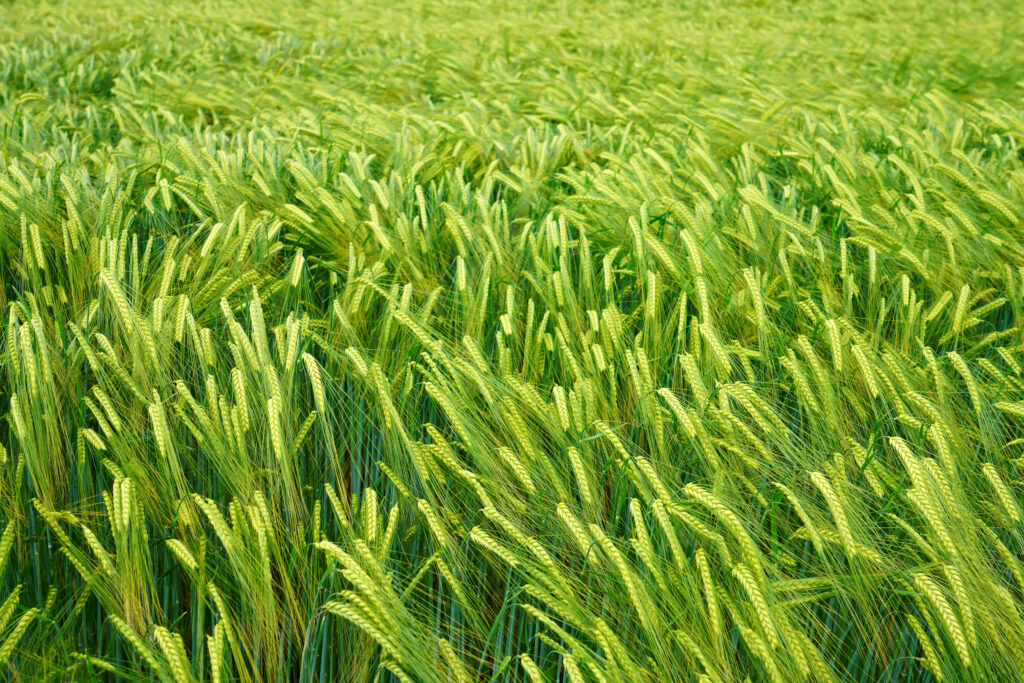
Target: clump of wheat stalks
(511, 343)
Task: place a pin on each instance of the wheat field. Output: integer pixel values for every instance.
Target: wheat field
(624, 341)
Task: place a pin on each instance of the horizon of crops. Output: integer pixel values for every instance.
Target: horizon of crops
(449, 342)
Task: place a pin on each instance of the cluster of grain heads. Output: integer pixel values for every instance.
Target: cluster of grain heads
(10, 637)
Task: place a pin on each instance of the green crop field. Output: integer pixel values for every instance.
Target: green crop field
(448, 341)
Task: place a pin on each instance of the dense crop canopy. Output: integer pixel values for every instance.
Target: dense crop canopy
(560, 341)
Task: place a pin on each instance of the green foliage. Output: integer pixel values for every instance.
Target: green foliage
(561, 342)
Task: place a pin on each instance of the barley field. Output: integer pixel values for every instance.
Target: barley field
(625, 341)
